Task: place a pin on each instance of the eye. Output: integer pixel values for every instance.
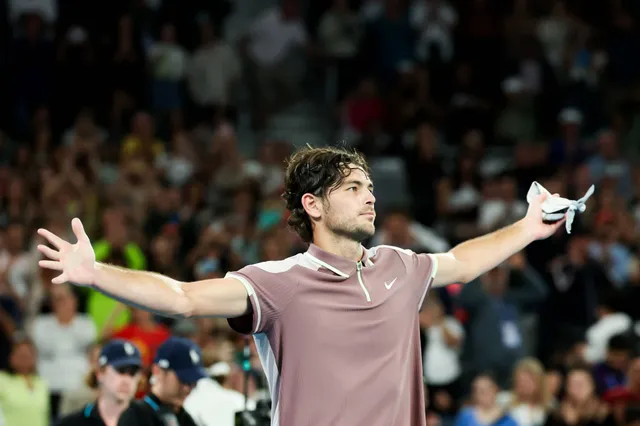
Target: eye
(352, 188)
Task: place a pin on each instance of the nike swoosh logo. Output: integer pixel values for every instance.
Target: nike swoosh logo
(388, 286)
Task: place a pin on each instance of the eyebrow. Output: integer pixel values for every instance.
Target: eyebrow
(358, 183)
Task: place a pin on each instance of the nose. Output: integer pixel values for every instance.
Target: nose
(371, 199)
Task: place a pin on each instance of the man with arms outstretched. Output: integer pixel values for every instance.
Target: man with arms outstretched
(337, 326)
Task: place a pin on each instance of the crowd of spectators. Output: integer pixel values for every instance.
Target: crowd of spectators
(125, 114)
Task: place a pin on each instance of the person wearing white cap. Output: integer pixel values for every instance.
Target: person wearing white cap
(211, 404)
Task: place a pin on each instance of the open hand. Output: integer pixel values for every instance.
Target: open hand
(75, 261)
(538, 229)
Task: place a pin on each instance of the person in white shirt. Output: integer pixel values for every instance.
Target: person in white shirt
(168, 61)
(62, 339)
(213, 70)
(441, 355)
(211, 404)
(609, 324)
(434, 20)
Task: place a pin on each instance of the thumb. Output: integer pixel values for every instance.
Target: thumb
(78, 230)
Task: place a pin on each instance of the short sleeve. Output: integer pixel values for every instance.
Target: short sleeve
(424, 269)
(270, 286)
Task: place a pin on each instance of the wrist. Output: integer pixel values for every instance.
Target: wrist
(526, 231)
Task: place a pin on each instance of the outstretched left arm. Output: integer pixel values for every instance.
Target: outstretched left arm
(468, 260)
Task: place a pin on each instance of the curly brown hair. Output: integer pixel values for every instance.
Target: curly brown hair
(316, 171)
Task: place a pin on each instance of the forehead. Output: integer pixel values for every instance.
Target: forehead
(356, 173)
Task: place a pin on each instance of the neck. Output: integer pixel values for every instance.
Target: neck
(110, 409)
(346, 248)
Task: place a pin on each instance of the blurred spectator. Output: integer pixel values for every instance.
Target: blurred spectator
(435, 21)
(611, 371)
(484, 407)
(273, 66)
(493, 305)
(399, 230)
(627, 395)
(530, 400)
(210, 396)
(213, 74)
(144, 332)
(75, 399)
(24, 396)
(444, 338)
(580, 404)
(340, 34)
(611, 322)
(61, 340)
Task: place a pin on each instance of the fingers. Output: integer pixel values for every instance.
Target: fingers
(51, 264)
(78, 230)
(52, 238)
(49, 252)
(60, 279)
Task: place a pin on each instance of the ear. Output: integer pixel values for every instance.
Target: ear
(312, 205)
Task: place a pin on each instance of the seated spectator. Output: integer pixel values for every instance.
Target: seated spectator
(484, 409)
(611, 372)
(62, 339)
(24, 396)
(580, 405)
(142, 143)
(530, 400)
(627, 395)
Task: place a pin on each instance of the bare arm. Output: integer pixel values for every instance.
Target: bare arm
(469, 260)
(147, 290)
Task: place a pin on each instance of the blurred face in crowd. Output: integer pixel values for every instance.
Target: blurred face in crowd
(427, 140)
(119, 384)
(484, 391)
(163, 251)
(618, 359)
(579, 386)
(348, 210)
(496, 281)
(64, 302)
(396, 227)
(15, 238)
(140, 316)
(23, 358)
(169, 388)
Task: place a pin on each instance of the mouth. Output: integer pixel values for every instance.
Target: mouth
(369, 214)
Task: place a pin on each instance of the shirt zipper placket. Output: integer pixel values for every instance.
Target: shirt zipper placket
(364, 289)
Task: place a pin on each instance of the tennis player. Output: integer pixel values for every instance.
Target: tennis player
(337, 326)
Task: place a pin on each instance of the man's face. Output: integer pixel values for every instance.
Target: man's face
(173, 390)
(348, 210)
(121, 383)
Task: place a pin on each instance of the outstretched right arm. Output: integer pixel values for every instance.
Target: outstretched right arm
(226, 297)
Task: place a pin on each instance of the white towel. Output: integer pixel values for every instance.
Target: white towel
(555, 208)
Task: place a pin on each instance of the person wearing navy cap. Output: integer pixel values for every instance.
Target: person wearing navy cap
(176, 369)
(118, 376)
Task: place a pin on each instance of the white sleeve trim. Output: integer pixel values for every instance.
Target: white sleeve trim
(251, 293)
(434, 271)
